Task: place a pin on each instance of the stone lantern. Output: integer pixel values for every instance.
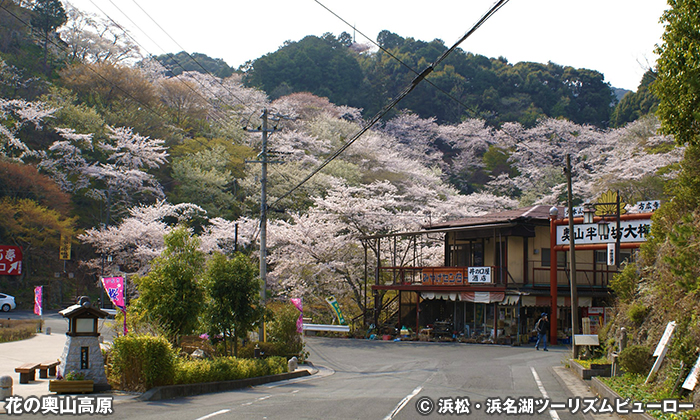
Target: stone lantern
(82, 353)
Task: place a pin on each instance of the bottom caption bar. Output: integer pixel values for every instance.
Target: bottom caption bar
(532, 405)
(53, 404)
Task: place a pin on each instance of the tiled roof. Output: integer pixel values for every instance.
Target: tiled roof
(507, 216)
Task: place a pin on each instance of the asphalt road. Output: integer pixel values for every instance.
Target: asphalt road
(363, 379)
(59, 324)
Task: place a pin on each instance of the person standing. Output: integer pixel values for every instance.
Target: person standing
(542, 327)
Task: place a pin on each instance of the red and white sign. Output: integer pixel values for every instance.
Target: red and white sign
(10, 260)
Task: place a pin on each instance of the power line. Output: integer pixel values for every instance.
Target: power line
(219, 117)
(148, 107)
(188, 54)
(497, 6)
(390, 54)
(98, 74)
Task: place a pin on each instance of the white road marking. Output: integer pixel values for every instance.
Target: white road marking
(553, 414)
(402, 403)
(208, 416)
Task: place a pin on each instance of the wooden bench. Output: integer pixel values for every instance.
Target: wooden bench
(26, 372)
(48, 368)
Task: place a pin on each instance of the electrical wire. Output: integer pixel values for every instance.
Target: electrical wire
(390, 54)
(98, 74)
(188, 54)
(217, 115)
(126, 93)
(497, 6)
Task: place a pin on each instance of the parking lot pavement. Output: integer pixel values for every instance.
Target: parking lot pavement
(40, 348)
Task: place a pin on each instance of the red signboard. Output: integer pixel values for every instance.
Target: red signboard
(443, 276)
(10, 260)
(456, 276)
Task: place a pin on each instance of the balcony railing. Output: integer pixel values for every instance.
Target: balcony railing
(442, 276)
(593, 275)
(588, 275)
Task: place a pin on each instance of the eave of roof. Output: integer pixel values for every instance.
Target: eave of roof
(538, 212)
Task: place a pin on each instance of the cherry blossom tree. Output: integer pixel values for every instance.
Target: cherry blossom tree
(138, 238)
(15, 114)
(65, 162)
(320, 252)
(92, 39)
(126, 181)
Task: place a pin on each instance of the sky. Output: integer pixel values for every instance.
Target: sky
(614, 37)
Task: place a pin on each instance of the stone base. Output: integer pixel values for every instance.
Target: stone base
(71, 359)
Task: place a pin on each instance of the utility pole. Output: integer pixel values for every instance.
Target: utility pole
(264, 160)
(572, 260)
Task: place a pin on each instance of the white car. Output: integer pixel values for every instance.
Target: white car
(7, 302)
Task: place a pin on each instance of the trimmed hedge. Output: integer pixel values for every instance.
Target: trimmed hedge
(16, 330)
(142, 362)
(227, 369)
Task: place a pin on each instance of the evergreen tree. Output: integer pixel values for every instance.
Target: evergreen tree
(49, 15)
(171, 292)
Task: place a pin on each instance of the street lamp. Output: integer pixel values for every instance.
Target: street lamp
(608, 209)
(603, 227)
(588, 213)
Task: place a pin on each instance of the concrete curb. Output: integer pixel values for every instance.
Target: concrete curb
(587, 374)
(605, 392)
(186, 390)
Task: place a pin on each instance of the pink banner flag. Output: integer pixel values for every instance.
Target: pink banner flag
(115, 290)
(38, 292)
(300, 322)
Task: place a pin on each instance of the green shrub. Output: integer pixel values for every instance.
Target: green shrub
(267, 349)
(637, 312)
(282, 329)
(75, 376)
(635, 359)
(141, 362)
(624, 283)
(226, 369)
(15, 330)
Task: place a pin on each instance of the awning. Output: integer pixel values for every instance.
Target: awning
(442, 296)
(476, 297)
(562, 301)
(511, 300)
(482, 297)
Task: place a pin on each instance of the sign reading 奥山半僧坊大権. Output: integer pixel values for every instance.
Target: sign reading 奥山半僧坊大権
(630, 231)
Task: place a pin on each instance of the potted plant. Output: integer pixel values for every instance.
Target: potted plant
(72, 383)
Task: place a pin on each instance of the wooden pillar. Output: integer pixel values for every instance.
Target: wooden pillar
(377, 301)
(417, 312)
(553, 278)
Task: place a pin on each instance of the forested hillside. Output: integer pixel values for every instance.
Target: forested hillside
(114, 150)
(464, 86)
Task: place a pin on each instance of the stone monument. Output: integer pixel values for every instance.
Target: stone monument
(81, 353)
